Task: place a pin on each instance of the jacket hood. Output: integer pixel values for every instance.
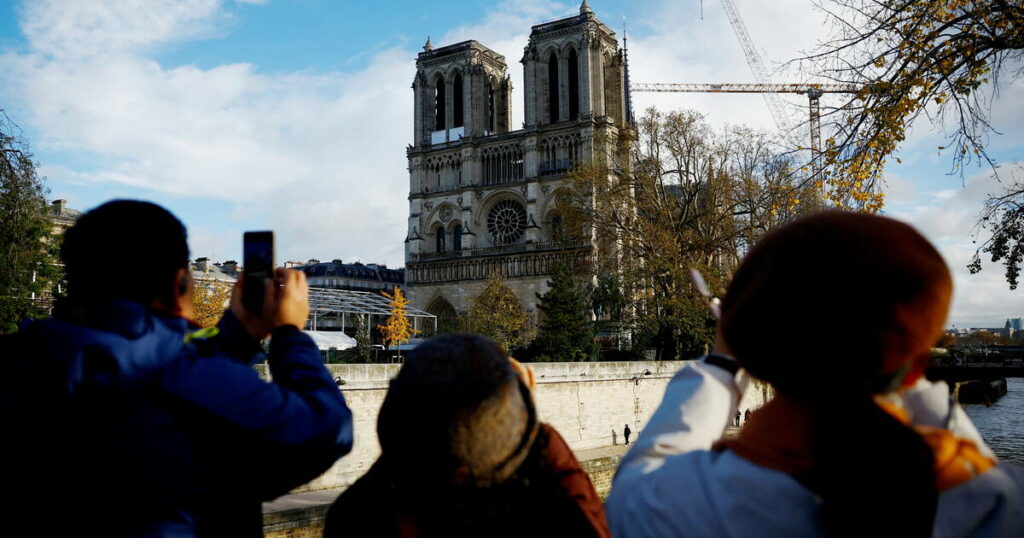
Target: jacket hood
(118, 343)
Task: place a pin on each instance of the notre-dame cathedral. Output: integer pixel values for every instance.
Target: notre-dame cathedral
(483, 198)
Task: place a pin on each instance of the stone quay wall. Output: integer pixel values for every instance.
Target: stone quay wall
(587, 402)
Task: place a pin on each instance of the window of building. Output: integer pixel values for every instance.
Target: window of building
(439, 104)
(457, 120)
(457, 238)
(440, 239)
(506, 222)
(491, 127)
(553, 88)
(574, 85)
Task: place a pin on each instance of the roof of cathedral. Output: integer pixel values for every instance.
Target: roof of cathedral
(586, 14)
(456, 48)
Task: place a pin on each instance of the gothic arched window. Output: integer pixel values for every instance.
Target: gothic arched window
(573, 73)
(556, 227)
(490, 108)
(457, 238)
(439, 103)
(457, 120)
(553, 111)
(440, 239)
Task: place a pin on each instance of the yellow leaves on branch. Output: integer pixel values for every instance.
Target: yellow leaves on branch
(209, 299)
(397, 329)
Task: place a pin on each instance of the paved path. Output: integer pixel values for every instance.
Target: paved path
(323, 497)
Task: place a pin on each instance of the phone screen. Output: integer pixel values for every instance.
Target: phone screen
(258, 260)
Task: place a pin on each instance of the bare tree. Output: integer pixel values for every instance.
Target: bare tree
(688, 197)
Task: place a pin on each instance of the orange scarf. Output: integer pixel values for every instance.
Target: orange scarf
(780, 436)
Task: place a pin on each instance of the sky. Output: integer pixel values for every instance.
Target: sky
(295, 115)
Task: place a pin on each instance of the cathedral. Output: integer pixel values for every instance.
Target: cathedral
(483, 198)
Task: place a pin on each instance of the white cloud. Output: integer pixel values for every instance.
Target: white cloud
(948, 218)
(81, 29)
(321, 154)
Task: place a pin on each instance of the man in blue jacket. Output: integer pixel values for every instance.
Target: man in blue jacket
(119, 419)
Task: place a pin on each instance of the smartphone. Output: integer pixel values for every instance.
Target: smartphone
(258, 260)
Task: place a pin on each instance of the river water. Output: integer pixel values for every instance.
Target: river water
(1002, 425)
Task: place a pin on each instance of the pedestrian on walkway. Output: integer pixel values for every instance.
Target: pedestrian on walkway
(625, 433)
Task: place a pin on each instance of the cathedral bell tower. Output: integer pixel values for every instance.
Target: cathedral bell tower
(461, 90)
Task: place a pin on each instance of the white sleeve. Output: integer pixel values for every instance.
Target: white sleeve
(929, 404)
(698, 405)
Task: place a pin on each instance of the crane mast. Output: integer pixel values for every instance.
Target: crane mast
(757, 66)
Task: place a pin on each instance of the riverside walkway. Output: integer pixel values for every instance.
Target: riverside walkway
(301, 515)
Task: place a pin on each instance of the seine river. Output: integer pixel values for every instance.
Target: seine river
(1002, 425)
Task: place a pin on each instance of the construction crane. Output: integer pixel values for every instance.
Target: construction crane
(812, 91)
(763, 86)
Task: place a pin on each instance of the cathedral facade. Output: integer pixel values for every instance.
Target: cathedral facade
(483, 198)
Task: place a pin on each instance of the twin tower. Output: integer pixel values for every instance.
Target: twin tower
(483, 198)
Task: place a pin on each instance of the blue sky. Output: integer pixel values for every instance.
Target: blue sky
(295, 115)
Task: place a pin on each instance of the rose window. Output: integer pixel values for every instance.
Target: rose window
(506, 222)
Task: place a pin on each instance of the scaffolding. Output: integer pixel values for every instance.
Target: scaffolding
(333, 310)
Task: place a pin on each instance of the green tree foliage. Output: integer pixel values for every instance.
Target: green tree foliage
(27, 250)
(565, 332)
(497, 313)
(942, 59)
(683, 195)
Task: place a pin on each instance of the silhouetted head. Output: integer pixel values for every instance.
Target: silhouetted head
(126, 249)
(831, 310)
(457, 412)
(837, 303)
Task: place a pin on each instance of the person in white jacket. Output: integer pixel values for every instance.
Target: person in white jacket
(856, 441)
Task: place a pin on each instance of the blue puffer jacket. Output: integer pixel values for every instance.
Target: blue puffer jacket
(113, 425)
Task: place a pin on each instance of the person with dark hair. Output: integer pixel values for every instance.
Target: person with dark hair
(120, 419)
(464, 454)
(856, 442)
(746, 416)
(625, 432)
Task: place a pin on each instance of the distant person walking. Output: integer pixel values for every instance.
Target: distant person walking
(736, 420)
(625, 433)
(746, 416)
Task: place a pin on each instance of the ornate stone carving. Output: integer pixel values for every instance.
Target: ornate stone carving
(545, 188)
(428, 205)
(458, 201)
(445, 213)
